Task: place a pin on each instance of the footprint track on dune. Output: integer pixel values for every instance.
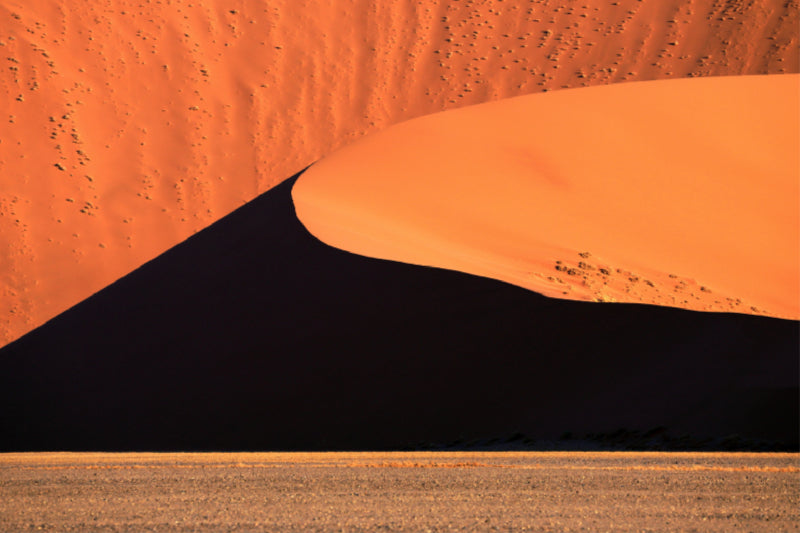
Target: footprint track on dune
(589, 278)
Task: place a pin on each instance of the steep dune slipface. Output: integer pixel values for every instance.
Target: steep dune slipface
(255, 335)
(681, 193)
(126, 126)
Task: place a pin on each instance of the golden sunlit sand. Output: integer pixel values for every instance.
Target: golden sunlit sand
(680, 193)
(126, 126)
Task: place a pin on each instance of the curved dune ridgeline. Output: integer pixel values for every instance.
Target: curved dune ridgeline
(126, 126)
(254, 335)
(681, 193)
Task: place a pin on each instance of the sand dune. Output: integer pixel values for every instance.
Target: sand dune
(680, 192)
(255, 335)
(127, 126)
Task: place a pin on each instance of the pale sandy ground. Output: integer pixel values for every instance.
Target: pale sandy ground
(672, 192)
(126, 126)
(490, 491)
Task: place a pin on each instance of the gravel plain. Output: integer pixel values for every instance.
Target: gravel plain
(402, 491)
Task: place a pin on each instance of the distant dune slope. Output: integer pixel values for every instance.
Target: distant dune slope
(126, 126)
(675, 192)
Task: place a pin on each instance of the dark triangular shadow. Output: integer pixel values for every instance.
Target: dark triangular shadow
(252, 334)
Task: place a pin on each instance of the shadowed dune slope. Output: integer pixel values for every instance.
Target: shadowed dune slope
(255, 335)
(126, 126)
(673, 192)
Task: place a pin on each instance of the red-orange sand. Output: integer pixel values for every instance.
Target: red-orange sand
(683, 193)
(128, 125)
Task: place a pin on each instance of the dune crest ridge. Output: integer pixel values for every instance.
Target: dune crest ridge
(679, 193)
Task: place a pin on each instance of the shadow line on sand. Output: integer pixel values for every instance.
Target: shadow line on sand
(253, 335)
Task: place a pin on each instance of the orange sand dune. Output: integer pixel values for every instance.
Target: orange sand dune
(126, 126)
(681, 193)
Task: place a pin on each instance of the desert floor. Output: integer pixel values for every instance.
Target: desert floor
(409, 491)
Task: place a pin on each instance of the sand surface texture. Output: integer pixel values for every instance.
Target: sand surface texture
(126, 126)
(400, 492)
(673, 192)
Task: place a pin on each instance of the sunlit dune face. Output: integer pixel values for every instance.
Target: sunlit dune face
(680, 193)
(128, 126)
